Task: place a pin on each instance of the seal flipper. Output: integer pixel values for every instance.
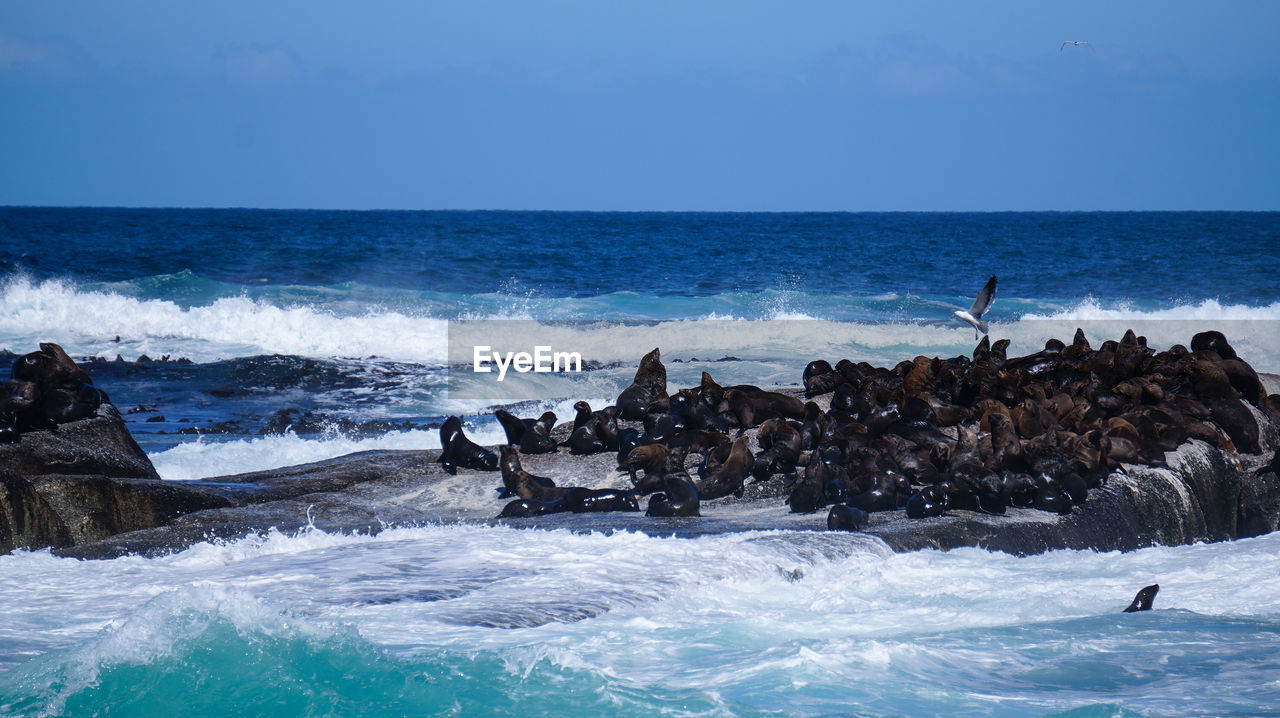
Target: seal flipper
(1144, 599)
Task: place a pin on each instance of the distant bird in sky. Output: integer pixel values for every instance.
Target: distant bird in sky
(980, 306)
(1073, 43)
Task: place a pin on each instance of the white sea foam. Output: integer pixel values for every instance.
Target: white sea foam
(88, 322)
(766, 619)
(1210, 310)
(203, 458)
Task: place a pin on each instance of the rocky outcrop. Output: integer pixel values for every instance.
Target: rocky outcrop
(1197, 497)
(356, 493)
(100, 445)
(86, 490)
(72, 473)
(91, 508)
(26, 519)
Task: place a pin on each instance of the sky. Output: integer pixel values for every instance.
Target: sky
(716, 105)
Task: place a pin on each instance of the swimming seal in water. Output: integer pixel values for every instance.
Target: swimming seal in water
(1144, 599)
(457, 450)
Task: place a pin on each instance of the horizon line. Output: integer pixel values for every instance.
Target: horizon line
(231, 208)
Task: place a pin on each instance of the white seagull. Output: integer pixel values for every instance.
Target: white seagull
(980, 306)
(1073, 43)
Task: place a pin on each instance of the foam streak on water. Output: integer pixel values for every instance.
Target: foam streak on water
(411, 327)
(797, 623)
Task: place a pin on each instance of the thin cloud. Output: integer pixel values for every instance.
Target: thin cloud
(258, 65)
(15, 52)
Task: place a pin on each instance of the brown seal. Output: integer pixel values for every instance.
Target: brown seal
(728, 479)
(648, 391)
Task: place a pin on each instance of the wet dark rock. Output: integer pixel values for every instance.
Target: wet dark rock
(316, 422)
(26, 519)
(1202, 490)
(98, 445)
(91, 508)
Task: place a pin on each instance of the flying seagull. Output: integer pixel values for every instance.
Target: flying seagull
(980, 306)
(1073, 43)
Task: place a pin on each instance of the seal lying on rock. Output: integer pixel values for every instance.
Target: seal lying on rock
(593, 431)
(524, 508)
(846, 518)
(511, 471)
(582, 500)
(981, 433)
(728, 478)
(539, 495)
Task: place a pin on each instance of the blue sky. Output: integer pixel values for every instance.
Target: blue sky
(642, 105)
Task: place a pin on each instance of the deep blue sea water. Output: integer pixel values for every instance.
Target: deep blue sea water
(346, 315)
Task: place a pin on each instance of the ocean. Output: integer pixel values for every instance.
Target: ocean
(238, 340)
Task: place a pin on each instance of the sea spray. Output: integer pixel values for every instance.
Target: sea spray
(103, 322)
(797, 623)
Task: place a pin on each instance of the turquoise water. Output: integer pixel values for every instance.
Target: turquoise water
(346, 314)
(466, 620)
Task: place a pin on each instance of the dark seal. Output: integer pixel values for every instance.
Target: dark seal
(846, 518)
(648, 391)
(457, 450)
(1144, 599)
(582, 500)
(728, 479)
(537, 436)
(679, 497)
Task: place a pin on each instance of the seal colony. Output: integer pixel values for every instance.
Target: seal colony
(927, 437)
(1013, 454)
